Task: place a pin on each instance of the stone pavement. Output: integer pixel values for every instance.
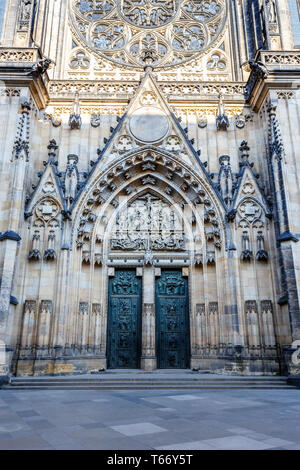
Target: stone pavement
(148, 419)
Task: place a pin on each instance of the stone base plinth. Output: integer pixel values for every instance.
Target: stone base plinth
(63, 366)
(237, 365)
(148, 363)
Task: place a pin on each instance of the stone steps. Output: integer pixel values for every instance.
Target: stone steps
(153, 382)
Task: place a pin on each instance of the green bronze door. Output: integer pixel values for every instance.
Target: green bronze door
(172, 320)
(124, 320)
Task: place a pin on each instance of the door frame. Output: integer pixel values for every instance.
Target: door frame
(187, 345)
(138, 319)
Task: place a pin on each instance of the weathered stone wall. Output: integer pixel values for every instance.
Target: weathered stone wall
(69, 156)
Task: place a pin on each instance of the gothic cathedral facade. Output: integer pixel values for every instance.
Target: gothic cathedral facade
(150, 195)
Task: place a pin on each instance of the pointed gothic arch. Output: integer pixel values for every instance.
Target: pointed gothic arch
(164, 171)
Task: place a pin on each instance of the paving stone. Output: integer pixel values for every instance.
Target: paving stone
(196, 445)
(125, 421)
(5, 435)
(237, 443)
(138, 429)
(26, 443)
(28, 413)
(185, 397)
(57, 438)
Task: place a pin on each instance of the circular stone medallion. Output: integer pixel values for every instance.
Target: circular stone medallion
(149, 124)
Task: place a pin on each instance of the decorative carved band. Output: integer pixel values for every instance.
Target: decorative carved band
(20, 54)
(61, 88)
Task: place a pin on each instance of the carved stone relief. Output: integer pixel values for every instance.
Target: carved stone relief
(148, 223)
(249, 212)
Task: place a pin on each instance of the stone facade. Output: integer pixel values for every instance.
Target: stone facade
(149, 136)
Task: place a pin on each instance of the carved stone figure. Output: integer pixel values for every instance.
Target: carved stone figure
(271, 11)
(148, 223)
(95, 120)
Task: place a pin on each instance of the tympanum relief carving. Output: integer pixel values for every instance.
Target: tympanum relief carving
(148, 223)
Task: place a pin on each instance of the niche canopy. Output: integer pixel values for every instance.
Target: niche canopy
(128, 31)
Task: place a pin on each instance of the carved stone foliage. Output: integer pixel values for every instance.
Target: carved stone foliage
(164, 32)
(148, 223)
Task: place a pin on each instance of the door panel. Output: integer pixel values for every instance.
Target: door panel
(172, 321)
(124, 320)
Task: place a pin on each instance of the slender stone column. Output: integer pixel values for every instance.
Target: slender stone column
(11, 238)
(10, 250)
(234, 309)
(284, 18)
(148, 359)
(59, 334)
(240, 33)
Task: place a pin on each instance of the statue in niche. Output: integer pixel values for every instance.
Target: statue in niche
(271, 11)
(25, 10)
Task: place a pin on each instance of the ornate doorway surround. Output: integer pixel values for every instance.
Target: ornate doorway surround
(124, 320)
(172, 320)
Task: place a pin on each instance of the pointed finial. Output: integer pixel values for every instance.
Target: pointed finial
(52, 147)
(244, 149)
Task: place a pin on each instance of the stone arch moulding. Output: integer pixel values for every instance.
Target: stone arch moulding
(163, 170)
(182, 217)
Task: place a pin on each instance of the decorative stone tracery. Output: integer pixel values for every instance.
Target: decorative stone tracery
(164, 32)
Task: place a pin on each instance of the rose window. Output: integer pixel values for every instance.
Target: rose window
(160, 32)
